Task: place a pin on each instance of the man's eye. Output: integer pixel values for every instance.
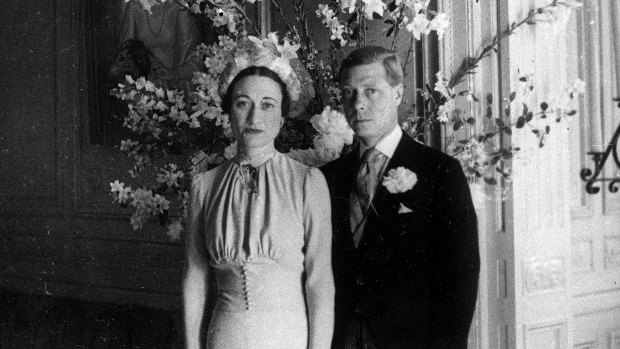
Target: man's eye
(241, 104)
(371, 91)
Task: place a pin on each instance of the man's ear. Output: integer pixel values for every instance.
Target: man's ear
(399, 89)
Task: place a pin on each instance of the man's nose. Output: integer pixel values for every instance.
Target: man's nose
(359, 102)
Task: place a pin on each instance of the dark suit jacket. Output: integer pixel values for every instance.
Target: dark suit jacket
(414, 276)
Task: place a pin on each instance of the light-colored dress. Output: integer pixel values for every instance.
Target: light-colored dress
(268, 237)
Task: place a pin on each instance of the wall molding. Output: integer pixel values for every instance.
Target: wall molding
(541, 335)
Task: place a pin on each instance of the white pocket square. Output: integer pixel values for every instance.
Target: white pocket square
(403, 209)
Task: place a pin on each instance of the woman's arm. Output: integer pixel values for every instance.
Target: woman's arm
(318, 263)
(195, 287)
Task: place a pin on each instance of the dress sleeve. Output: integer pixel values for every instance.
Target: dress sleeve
(318, 267)
(195, 282)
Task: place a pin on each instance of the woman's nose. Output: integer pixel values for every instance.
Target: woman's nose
(251, 119)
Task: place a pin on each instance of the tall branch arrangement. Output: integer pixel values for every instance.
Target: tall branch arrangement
(177, 133)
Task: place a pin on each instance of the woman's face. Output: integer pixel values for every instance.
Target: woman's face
(256, 111)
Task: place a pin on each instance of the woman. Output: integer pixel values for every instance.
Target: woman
(259, 235)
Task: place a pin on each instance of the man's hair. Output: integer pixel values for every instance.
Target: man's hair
(257, 71)
(375, 54)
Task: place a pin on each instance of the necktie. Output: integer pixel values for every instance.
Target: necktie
(368, 177)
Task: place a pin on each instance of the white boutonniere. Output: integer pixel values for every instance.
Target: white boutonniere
(400, 180)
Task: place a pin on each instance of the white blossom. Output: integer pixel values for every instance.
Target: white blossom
(439, 24)
(419, 26)
(174, 230)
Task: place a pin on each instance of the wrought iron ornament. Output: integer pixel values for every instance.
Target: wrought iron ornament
(600, 158)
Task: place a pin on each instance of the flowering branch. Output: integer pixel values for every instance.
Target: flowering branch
(469, 64)
(170, 125)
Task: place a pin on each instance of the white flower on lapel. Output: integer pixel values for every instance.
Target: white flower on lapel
(403, 209)
(400, 180)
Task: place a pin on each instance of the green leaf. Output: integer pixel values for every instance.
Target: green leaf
(489, 113)
(389, 32)
(352, 19)
(507, 130)
(457, 125)
(572, 112)
(489, 98)
(499, 122)
(529, 116)
(471, 121)
(525, 109)
(547, 129)
(544, 106)
(520, 122)
(490, 180)
(512, 96)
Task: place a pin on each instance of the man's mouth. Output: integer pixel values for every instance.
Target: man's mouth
(252, 131)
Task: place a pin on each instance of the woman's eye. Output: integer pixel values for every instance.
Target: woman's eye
(267, 105)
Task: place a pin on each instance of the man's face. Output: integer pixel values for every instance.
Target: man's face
(370, 102)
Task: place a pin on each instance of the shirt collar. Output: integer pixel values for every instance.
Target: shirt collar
(387, 145)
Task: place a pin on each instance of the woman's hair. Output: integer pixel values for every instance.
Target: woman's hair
(375, 54)
(257, 71)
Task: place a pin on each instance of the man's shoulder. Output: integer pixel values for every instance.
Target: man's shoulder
(422, 154)
(335, 166)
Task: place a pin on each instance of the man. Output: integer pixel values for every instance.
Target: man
(405, 261)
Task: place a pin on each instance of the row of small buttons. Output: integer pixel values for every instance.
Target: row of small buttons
(246, 288)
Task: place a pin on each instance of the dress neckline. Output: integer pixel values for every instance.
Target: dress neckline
(256, 161)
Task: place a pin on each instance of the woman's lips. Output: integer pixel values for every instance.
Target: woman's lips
(252, 131)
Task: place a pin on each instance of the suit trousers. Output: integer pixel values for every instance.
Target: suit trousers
(358, 334)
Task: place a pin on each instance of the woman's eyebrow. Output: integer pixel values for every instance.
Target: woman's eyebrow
(271, 98)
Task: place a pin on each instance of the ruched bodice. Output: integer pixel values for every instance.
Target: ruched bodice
(265, 221)
(267, 233)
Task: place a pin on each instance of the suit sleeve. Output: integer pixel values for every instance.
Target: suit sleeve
(457, 260)
(319, 285)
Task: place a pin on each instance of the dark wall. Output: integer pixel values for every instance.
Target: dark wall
(29, 321)
(60, 233)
